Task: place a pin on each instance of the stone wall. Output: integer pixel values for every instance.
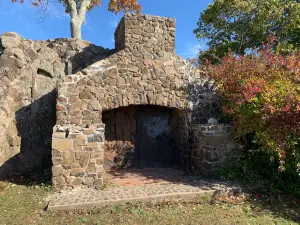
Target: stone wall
(212, 147)
(30, 72)
(183, 137)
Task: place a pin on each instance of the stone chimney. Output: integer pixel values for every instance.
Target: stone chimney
(145, 33)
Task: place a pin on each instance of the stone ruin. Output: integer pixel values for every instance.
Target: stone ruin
(138, 105)
(29, 75)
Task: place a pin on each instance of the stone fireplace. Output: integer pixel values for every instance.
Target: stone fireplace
(136, 107)
(141, 137)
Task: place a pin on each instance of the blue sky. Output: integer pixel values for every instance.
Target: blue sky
(31, 23)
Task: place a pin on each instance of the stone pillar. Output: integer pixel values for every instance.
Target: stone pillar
(183, 137)
(146, 33)
(78, 138)
(213, 147)
(77, 155)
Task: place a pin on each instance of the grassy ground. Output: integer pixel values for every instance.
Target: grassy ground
(20, 204)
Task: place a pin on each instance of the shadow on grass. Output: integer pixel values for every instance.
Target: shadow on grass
(30, 178)
(279, 205)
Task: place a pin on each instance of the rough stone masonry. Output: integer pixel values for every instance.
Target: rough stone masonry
(29, 74)
(86, 81)
(144, 71)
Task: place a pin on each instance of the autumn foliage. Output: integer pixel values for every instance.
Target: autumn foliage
(125, 5)
(114, 5)
(261, 92)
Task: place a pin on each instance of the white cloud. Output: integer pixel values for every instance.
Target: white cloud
(56, 11)
(192, 50)
(53, 10)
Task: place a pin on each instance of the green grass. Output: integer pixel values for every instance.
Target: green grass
(20, 204)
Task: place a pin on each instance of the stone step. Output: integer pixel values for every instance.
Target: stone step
(87, 199)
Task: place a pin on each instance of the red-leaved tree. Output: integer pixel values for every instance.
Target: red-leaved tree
(261, 92)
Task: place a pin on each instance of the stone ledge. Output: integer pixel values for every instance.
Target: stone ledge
(87, 199)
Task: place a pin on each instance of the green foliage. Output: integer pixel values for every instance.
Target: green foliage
(241, 26)
(136, 210)
(261, 92)
(261, 167)
(82, 220)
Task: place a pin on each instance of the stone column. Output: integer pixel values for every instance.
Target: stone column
(77, 155)
(214, 146)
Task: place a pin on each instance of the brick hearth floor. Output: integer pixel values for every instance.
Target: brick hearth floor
(155, 191)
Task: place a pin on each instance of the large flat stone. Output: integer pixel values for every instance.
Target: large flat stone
(62, 144)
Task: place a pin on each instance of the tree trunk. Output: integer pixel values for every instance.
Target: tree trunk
(75, 29)
(77, 16)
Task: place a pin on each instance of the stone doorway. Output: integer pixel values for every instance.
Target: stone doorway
(140, 137)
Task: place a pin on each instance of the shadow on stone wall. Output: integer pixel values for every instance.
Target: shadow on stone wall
(34, 124)
(86, 57)
(205, 101)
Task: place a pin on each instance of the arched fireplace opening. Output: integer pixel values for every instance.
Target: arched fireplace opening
(141, 137)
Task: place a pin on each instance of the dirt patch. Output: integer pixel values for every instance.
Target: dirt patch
(139, 177)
